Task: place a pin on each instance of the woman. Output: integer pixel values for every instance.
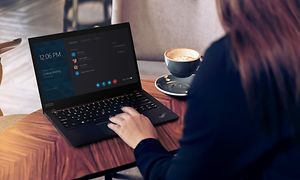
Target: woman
(243, 113)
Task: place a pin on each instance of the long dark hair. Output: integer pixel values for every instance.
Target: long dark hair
(265, 37)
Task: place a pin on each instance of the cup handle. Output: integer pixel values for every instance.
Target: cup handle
(201, 60)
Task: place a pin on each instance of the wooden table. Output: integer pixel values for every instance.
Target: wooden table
(33, 149)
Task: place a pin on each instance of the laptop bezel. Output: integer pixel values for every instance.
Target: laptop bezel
(85, 98)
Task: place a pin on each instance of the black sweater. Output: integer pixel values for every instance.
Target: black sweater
(222, 137)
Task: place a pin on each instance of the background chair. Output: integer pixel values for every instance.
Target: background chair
(158, 25)
(6, 121)
(83, 14)
(4, 47)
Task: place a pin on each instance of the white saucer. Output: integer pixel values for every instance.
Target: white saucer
(172, 85)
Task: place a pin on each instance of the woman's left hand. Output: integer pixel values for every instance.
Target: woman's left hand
(132, 127)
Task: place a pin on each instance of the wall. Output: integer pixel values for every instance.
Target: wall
(158, 25)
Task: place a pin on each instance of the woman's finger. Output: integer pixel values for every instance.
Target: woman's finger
(123, 116)
(116, 120)
(130, 111)
(114, 127)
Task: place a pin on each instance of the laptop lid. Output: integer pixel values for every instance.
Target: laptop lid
(77, 67)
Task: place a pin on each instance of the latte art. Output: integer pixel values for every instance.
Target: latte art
(183, 58)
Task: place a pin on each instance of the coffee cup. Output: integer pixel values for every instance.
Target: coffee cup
(182, 62)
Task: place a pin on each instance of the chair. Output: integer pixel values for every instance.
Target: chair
(6, 121)
(159, 25)
(99, 14)
(4, 47)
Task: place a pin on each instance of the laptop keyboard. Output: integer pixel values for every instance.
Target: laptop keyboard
(100, 111)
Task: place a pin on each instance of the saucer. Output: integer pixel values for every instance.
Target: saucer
(174, 86)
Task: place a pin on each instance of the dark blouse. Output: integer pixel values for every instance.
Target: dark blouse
(223, 137)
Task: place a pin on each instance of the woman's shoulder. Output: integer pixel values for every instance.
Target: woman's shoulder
(220, 44)
(217, 73)
(219, 56)
(218, 63)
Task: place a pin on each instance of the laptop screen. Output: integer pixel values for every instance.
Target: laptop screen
(73, 64)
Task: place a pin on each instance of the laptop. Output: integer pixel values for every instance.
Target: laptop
(85, 77)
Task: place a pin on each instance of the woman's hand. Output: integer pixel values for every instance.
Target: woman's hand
(132, 126)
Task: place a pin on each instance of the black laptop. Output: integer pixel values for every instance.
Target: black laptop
(86, 76)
